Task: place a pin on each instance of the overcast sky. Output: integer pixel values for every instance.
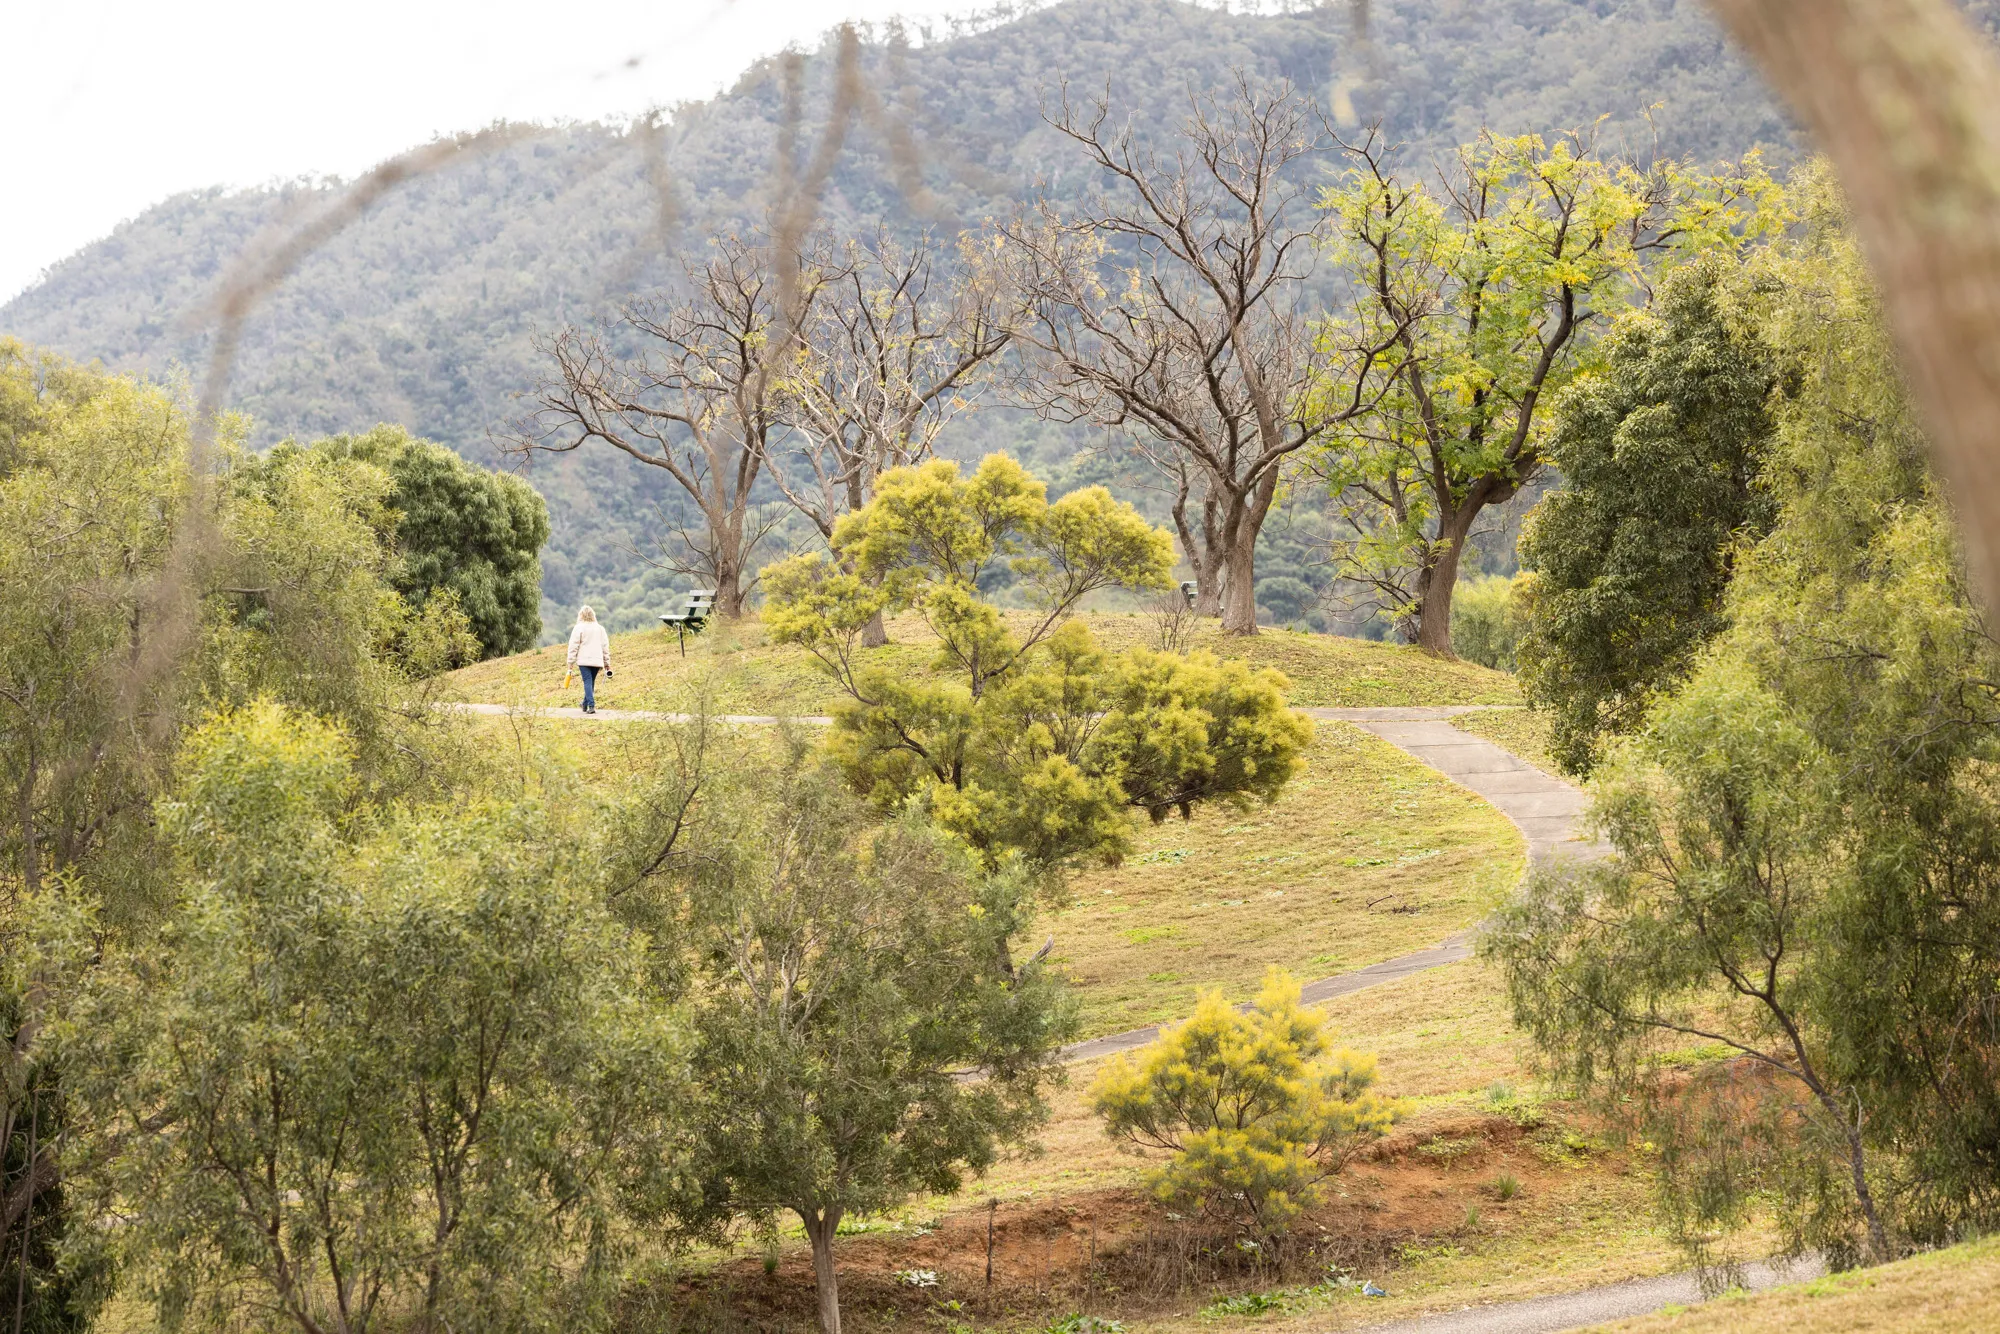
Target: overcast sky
(107, 106)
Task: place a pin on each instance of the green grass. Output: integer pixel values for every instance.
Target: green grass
(750, 675)
(1945, 1291)
(1368, 855)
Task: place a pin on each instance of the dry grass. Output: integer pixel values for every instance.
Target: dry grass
(1368, 855)
(751, 675)
(1941, 1293)
(1437, 1034)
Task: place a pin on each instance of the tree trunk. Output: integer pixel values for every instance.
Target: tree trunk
(1857, 1160)
(1200, 547)
(820, 1228)
(874, 634)
(1878, 1236)
(1239, 588)
(1438, 581)
(728, 575)
(1242, 525)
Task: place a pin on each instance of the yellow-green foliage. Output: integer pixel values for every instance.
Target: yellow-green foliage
(1036, 745)
(1486, 620)
(926, 540)
(1255, 1105)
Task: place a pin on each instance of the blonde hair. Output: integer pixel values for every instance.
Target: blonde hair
(586, 615)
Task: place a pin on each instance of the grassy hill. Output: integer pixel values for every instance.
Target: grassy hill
(744, 673)
(1952, 1291)
(1368, 855)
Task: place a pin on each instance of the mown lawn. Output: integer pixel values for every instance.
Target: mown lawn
(1368, 855)
(744, 673)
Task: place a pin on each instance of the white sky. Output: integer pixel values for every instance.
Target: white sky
(107, 106)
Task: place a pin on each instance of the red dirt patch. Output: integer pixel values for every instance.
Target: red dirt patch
(1118, 1253)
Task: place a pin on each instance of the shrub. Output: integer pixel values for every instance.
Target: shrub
(1254, 1105)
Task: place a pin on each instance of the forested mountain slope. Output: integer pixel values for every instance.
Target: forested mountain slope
(424, 312)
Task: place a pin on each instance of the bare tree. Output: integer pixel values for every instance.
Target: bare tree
(1179, 312)
(896, 347)
(700, 401)
(894, 351)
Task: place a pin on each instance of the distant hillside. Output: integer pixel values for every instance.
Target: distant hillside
(423, 312)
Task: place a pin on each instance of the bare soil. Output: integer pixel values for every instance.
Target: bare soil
(1117, 1253)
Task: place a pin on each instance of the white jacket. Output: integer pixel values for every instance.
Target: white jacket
(589, 645)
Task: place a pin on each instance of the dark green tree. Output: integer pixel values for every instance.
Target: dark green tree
(460, 527)
(1660, 456)
(859, 1035)
(1808, 839)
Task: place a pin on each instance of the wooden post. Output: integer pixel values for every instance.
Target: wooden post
(992, 1207)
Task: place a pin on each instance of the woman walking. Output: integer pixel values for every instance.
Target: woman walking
(589, 652)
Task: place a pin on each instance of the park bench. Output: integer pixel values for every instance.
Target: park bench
(692, 618)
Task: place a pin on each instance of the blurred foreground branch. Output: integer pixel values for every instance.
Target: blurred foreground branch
(1904, 96)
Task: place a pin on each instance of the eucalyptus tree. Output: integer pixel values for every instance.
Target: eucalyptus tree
(291, 601)
(1489, 287)
(386, 1081)
(1661, 457)
(1807, 843)
(859, 1038)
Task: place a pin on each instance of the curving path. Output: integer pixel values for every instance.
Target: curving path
(1590, 1306)
(1544, 809)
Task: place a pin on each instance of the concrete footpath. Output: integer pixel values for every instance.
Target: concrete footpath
(1591, 1306)
(1545, 809)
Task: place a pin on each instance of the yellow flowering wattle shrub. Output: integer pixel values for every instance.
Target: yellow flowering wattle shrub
(1255, 1106)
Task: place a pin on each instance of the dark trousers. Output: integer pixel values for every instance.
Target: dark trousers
(589, 686)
